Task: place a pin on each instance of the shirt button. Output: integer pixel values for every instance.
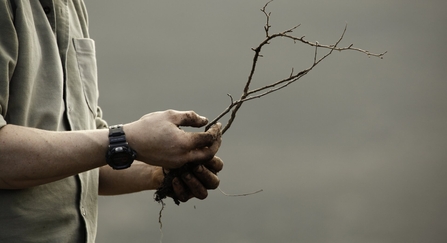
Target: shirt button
(83, 211)
(47, 10)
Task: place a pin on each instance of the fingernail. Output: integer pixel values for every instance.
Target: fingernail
(187, 176)
(199, 169)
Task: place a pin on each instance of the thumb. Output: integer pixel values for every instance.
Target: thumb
(189, 118)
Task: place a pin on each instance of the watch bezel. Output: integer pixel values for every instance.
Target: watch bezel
(117, 153)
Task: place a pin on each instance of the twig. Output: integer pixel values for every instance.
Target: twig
(250, 94)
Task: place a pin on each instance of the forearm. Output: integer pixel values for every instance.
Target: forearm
(31, 157)
(138, 177)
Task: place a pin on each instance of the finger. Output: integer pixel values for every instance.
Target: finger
(214, 165)
(205, 145)
(180, 190)
(207, 178)
(188, 118)
(208, 138)
(195, 187)
(199, 156)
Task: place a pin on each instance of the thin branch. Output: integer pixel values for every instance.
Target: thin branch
(350, 47)
(267, 15)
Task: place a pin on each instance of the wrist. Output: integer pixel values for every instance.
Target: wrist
(156, 178)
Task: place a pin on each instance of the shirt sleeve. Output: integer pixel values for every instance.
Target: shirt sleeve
(100, 122)
(8, 55)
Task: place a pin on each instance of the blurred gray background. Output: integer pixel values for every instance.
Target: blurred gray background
(353, 152)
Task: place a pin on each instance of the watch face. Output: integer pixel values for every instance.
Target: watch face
(120, 157)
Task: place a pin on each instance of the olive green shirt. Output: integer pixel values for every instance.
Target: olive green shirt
(48, 80)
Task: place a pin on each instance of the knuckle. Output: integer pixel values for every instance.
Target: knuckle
(170, 113)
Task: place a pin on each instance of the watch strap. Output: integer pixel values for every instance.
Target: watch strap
(117, 135)
(119, 145)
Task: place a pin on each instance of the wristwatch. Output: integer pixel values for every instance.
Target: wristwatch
(119, 154)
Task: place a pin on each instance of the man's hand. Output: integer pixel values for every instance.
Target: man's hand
(196, 185)
(141, 176)
(158, 139)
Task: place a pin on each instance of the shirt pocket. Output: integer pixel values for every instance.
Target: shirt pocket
(86, 58)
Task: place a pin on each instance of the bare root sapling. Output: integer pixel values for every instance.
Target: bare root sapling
(250, 93)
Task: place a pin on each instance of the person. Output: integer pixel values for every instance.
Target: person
(57, 154)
